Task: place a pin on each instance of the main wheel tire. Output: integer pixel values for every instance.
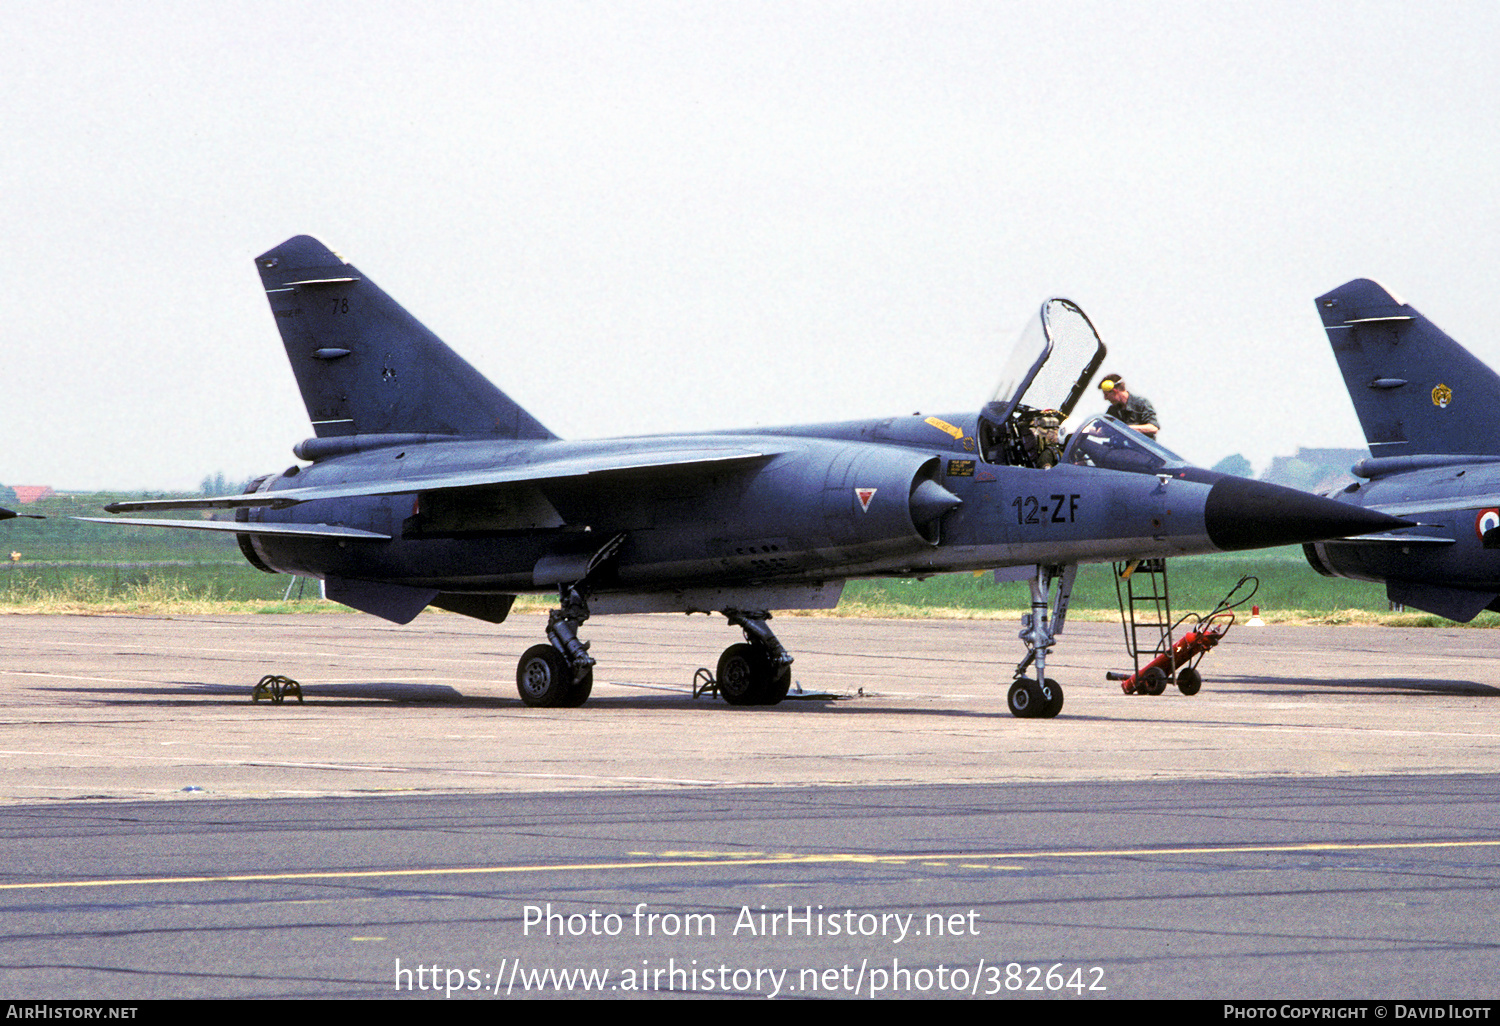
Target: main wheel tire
(580, 691)
(544, 678)
(1053, 705)
(1189, 681)
(744, 675)
(1025, 699)
(778, 686)
(1153, 681)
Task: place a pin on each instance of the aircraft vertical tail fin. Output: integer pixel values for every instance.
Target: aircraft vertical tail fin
(365, 365)
(1416, 391)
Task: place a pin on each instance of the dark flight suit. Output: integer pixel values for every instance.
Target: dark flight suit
(1137, 410)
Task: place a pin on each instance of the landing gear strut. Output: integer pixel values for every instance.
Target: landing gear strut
(560, 674)
(757, 671)
(1042, 697)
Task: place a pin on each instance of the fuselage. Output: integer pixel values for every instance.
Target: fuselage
(800, 506)
(897, 496)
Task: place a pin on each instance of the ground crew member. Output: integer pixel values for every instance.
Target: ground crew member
(1135, 410)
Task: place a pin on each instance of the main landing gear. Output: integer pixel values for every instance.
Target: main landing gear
(758, 671)
(1042, 697)
(559, 674)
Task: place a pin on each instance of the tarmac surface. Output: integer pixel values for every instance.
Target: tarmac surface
(1317, 823)
(146, 706)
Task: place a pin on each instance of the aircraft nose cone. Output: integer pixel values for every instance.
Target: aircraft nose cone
(1243, 514)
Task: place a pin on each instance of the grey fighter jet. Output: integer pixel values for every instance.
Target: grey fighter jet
(1431, 414)
(424, 485)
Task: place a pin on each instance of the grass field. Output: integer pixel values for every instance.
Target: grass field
(1287, 586)
(1289, 591)
(69, 566)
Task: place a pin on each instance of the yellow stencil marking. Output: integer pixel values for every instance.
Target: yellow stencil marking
(943, 426)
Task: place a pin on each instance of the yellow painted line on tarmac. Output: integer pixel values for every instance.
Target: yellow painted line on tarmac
(758, 859)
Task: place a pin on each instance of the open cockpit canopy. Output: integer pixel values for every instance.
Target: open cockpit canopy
(1049, 369)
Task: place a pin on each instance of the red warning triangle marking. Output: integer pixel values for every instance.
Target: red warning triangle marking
(864, 495)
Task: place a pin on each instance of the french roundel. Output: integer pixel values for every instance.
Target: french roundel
(1488, 520)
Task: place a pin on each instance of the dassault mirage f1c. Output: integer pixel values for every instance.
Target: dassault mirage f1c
(424, 485)
(1431, 414)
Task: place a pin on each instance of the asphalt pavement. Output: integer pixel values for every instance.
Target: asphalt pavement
(1316, 823)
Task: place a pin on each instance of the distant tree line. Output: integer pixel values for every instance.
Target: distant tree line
(218, 484)
(1236, 465)
(1311, 470)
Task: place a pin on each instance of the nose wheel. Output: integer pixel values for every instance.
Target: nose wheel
(1029, 699)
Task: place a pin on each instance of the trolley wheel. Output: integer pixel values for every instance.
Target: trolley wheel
(1189, 680)
(1153, 681)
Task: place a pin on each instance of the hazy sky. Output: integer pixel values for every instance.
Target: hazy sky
(652, 217)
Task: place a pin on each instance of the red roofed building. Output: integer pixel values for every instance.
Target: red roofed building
(31, 493)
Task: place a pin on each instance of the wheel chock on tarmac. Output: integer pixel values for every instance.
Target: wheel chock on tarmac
(275, 688)
(704, 683)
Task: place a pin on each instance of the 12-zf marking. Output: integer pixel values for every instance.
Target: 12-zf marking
(1056, 509)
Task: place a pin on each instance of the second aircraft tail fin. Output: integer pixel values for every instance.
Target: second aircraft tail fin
(1416, 391)
(365, 366)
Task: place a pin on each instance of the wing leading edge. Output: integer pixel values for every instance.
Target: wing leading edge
(599, 467)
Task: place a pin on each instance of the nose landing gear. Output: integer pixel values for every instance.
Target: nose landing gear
(1041, 698)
